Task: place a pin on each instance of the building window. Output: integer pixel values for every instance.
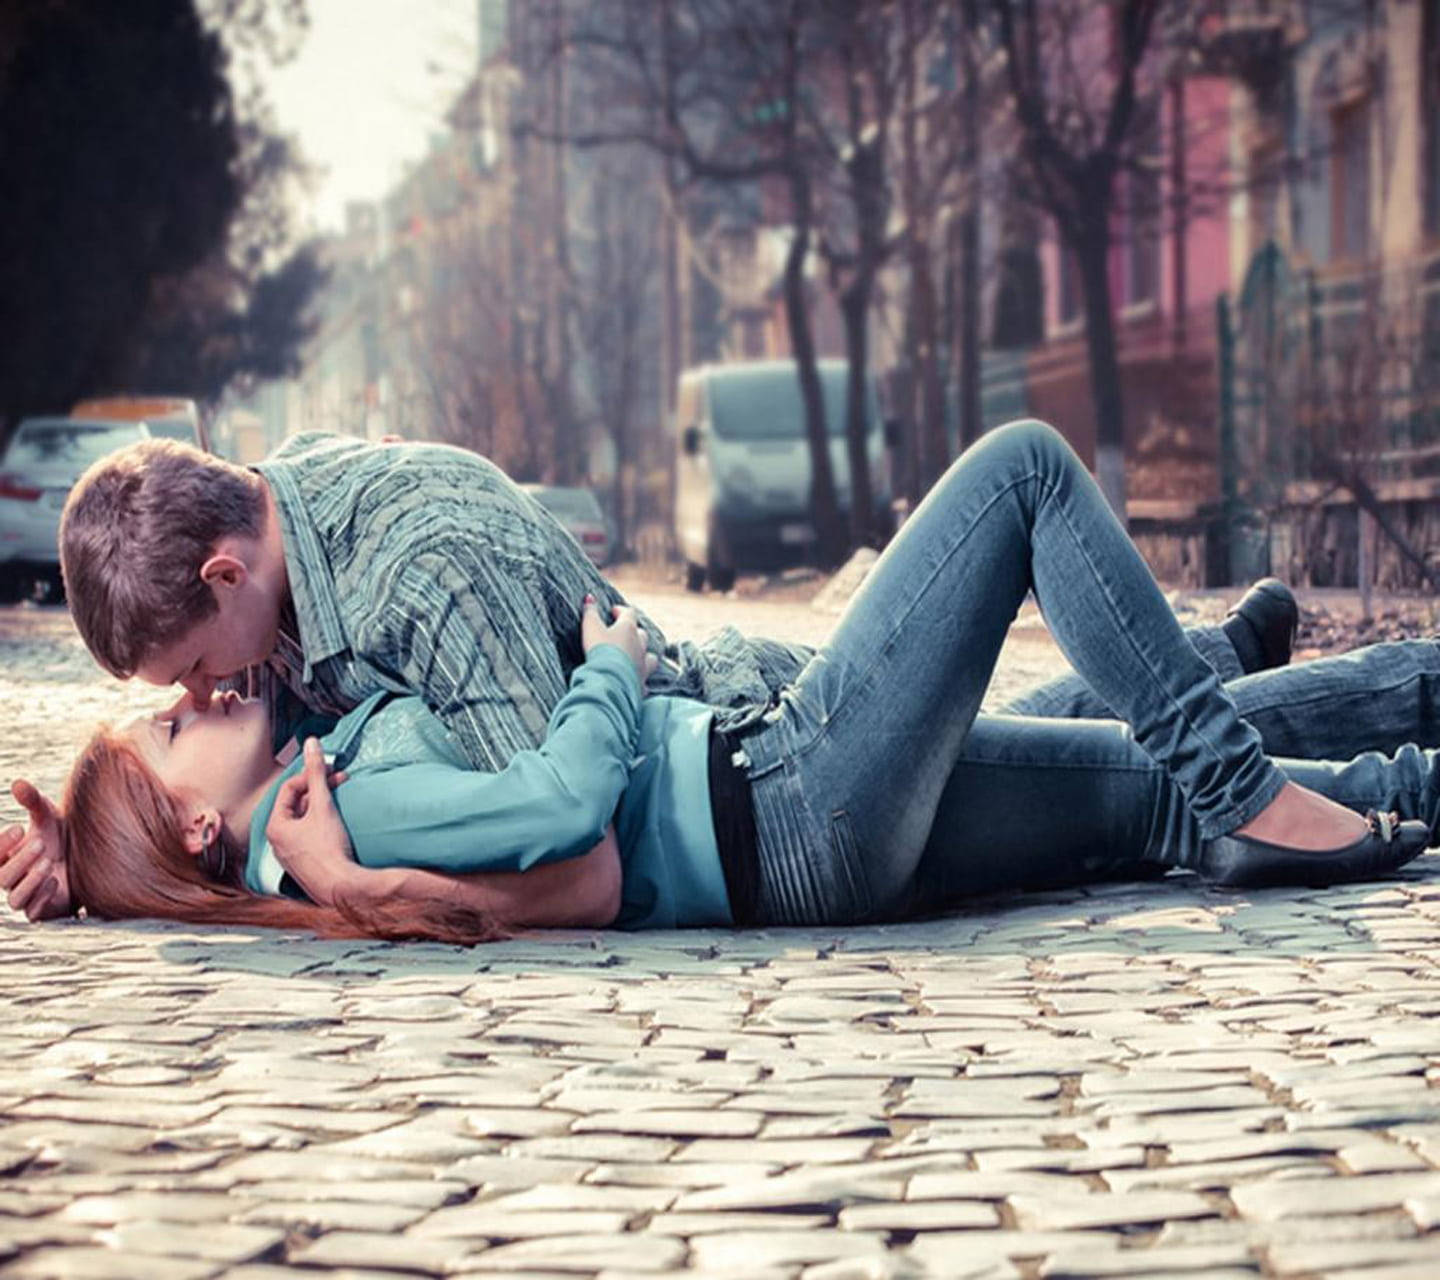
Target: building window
(1350, 181)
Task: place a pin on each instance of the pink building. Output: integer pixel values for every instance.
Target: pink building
(1169, 262)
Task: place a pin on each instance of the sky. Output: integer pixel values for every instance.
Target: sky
(369, 86)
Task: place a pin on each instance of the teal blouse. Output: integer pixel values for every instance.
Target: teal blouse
(411, 800)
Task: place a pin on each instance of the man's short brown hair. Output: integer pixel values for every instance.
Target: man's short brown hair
(136, 530)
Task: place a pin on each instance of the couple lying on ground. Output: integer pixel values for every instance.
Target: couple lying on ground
(493, 741)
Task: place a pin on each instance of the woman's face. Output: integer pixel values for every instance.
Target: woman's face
(219, 757)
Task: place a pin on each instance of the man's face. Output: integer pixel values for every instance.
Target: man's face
(240, 634)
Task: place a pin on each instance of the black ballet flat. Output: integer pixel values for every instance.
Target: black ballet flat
(1237, 860)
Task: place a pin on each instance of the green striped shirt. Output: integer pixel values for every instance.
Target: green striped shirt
(421, 568)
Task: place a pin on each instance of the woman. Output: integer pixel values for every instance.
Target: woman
(862, 793)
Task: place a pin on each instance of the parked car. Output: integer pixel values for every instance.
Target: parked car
(40, 466)
(170, 416)
(579, 511)
(742, 465)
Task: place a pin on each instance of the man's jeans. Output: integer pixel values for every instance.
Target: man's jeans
(1042, 802)
(852, 770)
(1374, 699)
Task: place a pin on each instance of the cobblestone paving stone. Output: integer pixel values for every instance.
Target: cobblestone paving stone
(1126, 1081)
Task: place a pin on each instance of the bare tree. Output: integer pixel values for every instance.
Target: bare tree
(473, 378)
(615, 285)
(714, 88)
(853, 100)
(1074, 72)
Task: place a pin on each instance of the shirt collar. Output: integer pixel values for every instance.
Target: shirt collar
(312, 587)
(263, 871)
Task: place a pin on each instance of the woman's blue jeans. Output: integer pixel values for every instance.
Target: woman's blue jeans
(850, 768)
(1033, 803)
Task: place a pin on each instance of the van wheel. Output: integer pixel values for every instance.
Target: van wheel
(694, 577)
(12, 586)
(719, 563)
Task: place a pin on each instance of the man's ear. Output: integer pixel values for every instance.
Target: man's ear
(224, 569)
(202, 829)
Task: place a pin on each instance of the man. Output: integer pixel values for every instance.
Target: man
(339, 568)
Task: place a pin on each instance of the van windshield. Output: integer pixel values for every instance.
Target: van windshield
(65, 441)
(765, 404)
(172, 428)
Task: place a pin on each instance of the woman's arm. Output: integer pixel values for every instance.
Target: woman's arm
(310, 840)
(547, 804)
(581, 892)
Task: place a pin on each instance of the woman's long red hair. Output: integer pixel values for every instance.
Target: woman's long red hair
(126, 857)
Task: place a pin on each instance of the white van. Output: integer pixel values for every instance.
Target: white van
(742, 465)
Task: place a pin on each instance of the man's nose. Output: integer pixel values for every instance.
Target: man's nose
(200, 689)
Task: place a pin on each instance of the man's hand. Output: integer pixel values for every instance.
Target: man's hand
(32, 859)
(625, 632)
(306, 832)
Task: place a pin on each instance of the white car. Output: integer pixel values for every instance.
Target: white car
(579, 511)
(40, 466)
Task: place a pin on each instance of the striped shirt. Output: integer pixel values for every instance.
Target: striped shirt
(421, 568)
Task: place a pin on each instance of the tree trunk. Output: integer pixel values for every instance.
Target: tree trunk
(933, 445)
(1092, 256)
(620, 430)
(855, 306)
(971, 424)
(831, 545)
(927, 446)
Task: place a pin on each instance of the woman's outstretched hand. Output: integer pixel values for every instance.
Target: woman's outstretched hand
(624, 632)
(32, 859)
(306, 832)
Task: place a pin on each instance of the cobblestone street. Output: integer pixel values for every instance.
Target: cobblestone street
(1149, 1080)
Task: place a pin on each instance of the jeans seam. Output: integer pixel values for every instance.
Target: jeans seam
(1321, 699)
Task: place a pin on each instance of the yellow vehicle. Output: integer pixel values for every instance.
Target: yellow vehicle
(171, 416)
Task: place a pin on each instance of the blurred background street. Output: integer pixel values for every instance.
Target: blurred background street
(741, 279)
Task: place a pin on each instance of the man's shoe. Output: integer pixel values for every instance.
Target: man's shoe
(1242, 860)
(1262, 625)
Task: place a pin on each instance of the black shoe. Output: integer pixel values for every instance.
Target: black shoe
(1243, 860)
(1262, 625)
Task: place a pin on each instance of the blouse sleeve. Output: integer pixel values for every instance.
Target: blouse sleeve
(549, 803)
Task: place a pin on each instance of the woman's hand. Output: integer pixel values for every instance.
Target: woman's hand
(306, 832)
(624, 632)
(32, 859)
